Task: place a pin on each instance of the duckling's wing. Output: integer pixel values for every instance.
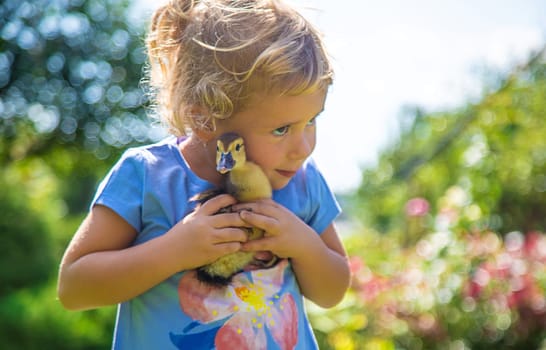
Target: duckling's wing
(204, 196)
(248, 183)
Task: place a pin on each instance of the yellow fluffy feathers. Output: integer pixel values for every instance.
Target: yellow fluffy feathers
(246, 182)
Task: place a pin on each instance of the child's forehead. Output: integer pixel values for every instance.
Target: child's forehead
(274, 109)
(273, 99)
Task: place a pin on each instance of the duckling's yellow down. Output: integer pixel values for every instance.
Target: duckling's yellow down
(247, 182)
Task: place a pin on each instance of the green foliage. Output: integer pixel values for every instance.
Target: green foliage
(494, 149)
(453, 289)
(69, 75)
(35, 230)
(70, 99)
(25, 244)
(453, 254)
(33, 319)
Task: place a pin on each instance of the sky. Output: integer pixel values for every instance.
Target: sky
(393, 53)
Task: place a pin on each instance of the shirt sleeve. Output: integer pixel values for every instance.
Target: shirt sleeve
(122, 189)
(325, 207)
(309, 197)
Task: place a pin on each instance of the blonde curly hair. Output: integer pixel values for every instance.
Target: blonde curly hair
(214, 55)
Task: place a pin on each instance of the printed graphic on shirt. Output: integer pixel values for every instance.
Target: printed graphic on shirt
(253, 312)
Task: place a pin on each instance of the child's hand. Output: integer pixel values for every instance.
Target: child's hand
(204, 236)
(286, 235)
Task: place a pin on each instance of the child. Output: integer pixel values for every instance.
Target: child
(254, 67)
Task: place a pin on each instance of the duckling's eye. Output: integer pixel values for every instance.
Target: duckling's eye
(281, 131)
(238, 147)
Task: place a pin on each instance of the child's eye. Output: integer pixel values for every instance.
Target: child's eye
(312, 121)
(281, 131)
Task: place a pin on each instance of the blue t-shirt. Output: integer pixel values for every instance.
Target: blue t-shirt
(150, 188)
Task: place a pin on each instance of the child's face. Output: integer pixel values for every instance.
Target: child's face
(279, 132)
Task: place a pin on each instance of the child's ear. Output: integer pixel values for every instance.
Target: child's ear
(202, 124)
(204, 134)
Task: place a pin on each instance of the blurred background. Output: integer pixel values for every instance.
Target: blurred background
(433, 139)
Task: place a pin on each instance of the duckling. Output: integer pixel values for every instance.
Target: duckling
(247, 182)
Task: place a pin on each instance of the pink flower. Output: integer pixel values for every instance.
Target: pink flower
(417, 207)
(373, 287)
(355, 264)
(535, 246)
(472, 289)
(250, 306)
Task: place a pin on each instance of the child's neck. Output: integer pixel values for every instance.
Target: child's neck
(201, 159)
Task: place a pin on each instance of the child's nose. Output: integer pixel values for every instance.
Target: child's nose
(302, 146)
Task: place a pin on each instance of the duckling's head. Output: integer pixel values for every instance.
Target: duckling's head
(230, 152)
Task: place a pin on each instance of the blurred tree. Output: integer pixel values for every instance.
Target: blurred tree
(69, 75)
(26, 256)
(31, 319)
(70, 101)
(494, 150)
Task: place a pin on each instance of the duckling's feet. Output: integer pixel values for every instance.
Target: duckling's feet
(262, 260)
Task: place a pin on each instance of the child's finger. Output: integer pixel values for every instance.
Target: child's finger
(227, 248)
(258, 245)
(229, 234)
(214, 204)
(266, 223)
(228, 220)
(266, 207)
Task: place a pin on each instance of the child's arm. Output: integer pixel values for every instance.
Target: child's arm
(100, 267)
(319, 261)
(323, 272)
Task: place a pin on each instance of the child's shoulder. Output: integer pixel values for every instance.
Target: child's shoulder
(306, 179)
(163, 150)
(309, 169)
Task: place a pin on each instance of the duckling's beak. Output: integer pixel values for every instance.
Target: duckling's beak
(226, 163)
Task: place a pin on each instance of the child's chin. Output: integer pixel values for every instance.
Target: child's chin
(279, 185)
